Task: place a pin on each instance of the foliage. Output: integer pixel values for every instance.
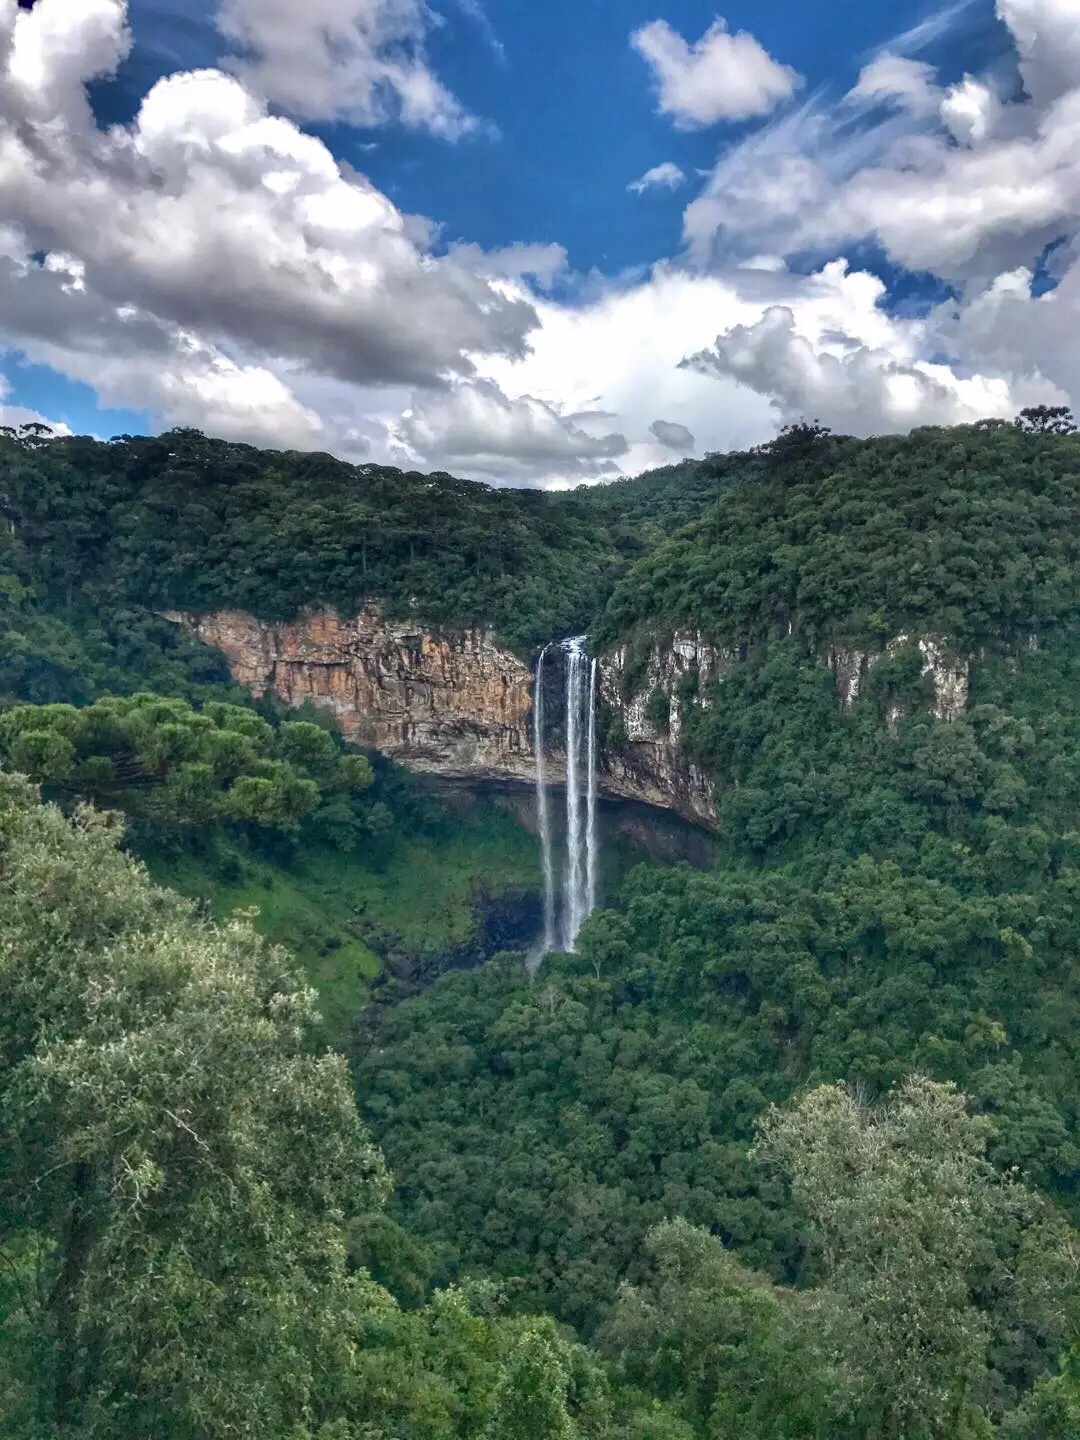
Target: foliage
(964, 533)
(161, 760)
(895, 894)
(180, 521)
(565, 1119)
(381, 918)
(181, 1178)
(919, 1244)
(1046, 420)
(153, 1070)
(924, 1251)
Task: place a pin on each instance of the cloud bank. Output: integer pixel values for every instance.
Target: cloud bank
(213, 264)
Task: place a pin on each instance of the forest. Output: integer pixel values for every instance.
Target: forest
(787, 1149)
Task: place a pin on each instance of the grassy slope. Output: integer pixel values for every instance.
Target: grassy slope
(418, 894)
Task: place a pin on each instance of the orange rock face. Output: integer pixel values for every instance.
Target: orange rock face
(450, 703)
(453, 704)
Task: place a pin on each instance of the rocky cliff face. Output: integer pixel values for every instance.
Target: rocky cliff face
(452, 704)
(456, 704)
(948, 672)
(647, 765)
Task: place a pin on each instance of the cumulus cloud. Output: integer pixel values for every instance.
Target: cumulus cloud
(214, 265)
(970, 111)
(361, 61)
(721, 77)
(965, 211)
(899, 79)
(1028, 337)
(666, 176)
(519, 439)
(673, 435)
(855, 388)
(221, 241)
(624, 352)
(1047, 35)
(543, 264)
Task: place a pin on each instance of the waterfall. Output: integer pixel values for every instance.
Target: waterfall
(573, 889)
(578, 897)
(590, 822)
(543, 814)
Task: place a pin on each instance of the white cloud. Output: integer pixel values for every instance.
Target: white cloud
(666, 176)
(852, 387)
(721, 77)
(907, 83)
(216, 266)
(820, 179)
(623, 352)
(209, 217)
(1047, 34)
(1028, 338)
(361, 61)
(970, 111)
(512, 441)
(47, 57)
(765, 192)
(543, 264)
(929, 30)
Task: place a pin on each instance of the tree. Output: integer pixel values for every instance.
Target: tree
(1052, 1410)
(735, 1353)
(177, 1163)
(1046, 420)
(164, 762)
(530, 1401)
(905, 1213)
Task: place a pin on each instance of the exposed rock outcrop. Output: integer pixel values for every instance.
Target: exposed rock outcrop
(453, 704)
(449, 703)
(648, 764)
(948, 671)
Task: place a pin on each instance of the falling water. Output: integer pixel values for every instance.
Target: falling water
(578, 896)
(573, 890)
(590, 824)
(542, 807)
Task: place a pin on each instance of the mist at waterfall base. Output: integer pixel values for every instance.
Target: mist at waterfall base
(565, 911)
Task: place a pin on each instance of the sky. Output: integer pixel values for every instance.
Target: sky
(536, 244)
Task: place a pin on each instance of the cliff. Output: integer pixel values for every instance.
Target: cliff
(647, 764)
(449, 703)
(452, 704)
(458, 705)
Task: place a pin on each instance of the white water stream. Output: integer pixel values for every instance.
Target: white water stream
(582, 851)
(542, 810)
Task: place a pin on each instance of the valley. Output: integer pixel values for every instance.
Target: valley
(801, 721)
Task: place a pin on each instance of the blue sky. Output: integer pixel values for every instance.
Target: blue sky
(861, 192)
(573, 116)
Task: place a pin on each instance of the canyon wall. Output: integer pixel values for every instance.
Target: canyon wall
(647, 762)
(449, 703)
(454, 703)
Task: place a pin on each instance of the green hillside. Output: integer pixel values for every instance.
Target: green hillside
(791, 1144)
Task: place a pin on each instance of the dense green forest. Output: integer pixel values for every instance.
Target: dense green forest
(788, 1149)
(130, 526)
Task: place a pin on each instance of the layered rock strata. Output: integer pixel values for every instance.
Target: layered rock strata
(455, 703)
